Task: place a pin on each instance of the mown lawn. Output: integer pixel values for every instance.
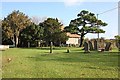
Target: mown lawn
(39, 63)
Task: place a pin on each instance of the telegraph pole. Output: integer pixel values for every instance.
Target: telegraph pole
(98, 35)
(119, 25)
(118, 20)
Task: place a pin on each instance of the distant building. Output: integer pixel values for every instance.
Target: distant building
(73, 39)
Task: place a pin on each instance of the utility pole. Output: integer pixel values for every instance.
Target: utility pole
(98, 35)
(119, 18)
(119, 24)
(106, 12)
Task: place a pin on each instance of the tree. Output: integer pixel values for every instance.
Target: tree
(85, 23)
(32, 33)
(117, 37)
(60, 38)
(37, 19)
(6, 34)
(14, 23)
(52, 31)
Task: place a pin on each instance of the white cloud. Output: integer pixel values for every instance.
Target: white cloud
(73, 2)
(78, 2)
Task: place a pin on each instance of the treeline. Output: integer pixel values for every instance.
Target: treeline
(18, 29)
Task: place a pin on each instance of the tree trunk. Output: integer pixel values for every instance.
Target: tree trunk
(16, 37)
(16, 41)
(81, 39)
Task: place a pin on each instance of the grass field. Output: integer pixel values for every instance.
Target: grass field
(39, 63)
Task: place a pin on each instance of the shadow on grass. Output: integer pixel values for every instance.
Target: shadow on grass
(105, 59)
(46, 48)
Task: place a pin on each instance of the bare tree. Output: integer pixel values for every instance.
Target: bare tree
(37, 20)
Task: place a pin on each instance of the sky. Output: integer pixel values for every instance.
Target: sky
(66, 11)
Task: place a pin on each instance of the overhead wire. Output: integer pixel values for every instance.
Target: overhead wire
(109, 10)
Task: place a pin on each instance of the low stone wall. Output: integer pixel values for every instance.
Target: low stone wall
(4, 47)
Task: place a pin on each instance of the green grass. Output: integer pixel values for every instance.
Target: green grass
(39, 63)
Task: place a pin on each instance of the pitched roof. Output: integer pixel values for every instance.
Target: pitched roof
(73, 35)
(70, 35)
